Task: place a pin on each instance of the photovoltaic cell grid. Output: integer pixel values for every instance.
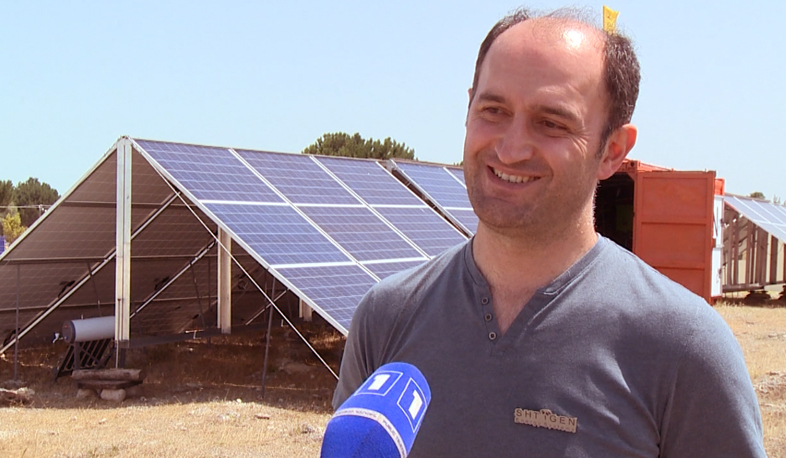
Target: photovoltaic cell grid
(432, 233)
(386, 269)
(299, 178)
(277, 233)
(458, 173)
(466, 217)
(361, 233)
(209, 173)
(443, 185)
(335, 289)
(438, 183)
(770, 217)
(370, 181)
(357, 229)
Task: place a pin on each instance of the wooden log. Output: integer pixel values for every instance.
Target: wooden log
(99, 385)
(108, 374)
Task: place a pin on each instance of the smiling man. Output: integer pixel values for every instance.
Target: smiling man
(538, 337)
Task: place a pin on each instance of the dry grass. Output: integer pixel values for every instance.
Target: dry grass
(761, 332)
(203, 400)
(199, 399)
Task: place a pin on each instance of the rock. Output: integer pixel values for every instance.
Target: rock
(113, 395)
(262, 416)
(305, 428)
(84, 393)
(20, 396)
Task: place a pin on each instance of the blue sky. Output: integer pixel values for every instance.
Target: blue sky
(264, 75)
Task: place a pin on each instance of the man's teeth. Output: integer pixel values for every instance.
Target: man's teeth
(512, 178)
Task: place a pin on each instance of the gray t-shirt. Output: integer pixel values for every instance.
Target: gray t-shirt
(611, 359)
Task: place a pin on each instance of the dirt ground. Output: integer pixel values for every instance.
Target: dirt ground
(199, 398)
(204, 398)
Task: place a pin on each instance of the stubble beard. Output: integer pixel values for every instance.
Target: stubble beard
(549, 217)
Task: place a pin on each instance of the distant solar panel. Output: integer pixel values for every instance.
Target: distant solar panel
(370, 181)
(209, 173)
(445, 188)
(438, 183)
(386, 269)
(458, 173)
(299, 178)
(770, 217)
(361, 233)
(277, 233)
(424, 227)
(466, 217)
(335, 289)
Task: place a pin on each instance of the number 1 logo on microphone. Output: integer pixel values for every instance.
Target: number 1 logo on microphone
(412, 402)
(381, 383)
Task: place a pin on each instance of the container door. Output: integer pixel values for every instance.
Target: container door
(673, 224)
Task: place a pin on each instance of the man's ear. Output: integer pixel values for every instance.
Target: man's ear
(618, 145)
(470, 92)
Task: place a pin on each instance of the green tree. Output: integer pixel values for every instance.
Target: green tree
(31, 198)
(6, 194)
(343, 144)
(757, 195)
(12, 227)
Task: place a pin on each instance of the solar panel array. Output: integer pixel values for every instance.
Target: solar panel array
(329, 227)
(768, 216)
(444, 187)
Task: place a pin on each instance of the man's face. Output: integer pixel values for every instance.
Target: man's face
(533, 129)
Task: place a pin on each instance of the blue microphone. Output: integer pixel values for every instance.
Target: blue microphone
(382, 418)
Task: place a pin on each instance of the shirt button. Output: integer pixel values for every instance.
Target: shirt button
(484, 301)
(488, 317)
(492, 335)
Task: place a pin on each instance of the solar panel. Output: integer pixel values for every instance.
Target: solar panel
(466, 217)
(458, 173)
(277, 233)
(768, 216)
(209, 173)
(424, 227)
(336, 289)
(370, 181)
(438, 183)
(298, 177)
(445, 188)
(361, 233)
(386, 269)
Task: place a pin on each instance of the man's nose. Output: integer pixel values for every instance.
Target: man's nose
(516, 143)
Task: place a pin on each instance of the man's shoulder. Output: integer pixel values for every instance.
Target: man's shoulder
(648, 300)
(623, 269)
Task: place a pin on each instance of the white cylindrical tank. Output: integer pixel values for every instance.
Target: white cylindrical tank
(89, 329)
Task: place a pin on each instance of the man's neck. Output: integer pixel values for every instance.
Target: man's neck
(516, 265)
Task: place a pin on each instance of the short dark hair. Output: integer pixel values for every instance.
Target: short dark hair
(621, 71)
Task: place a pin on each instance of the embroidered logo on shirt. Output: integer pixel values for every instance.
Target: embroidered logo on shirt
(545, 418)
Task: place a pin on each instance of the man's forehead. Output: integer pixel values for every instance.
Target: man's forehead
(553, 32)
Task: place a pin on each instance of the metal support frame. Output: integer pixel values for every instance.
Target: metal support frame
(304, 311)
(123, 249)
(224, 317)
(267, 337)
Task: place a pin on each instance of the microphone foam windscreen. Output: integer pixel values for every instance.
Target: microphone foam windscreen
(382, 418)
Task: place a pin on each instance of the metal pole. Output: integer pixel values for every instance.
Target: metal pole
(267, 337)
(16, 326)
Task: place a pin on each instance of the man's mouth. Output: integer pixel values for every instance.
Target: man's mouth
(512, 178)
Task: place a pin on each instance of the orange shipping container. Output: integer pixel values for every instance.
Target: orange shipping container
(665, 217)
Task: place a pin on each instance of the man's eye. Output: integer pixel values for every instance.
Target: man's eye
(552, 125)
